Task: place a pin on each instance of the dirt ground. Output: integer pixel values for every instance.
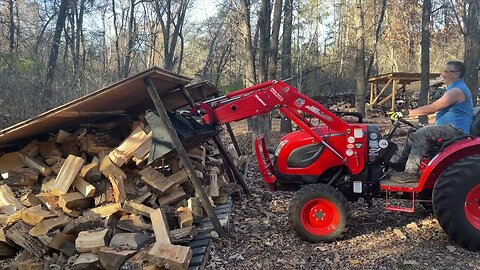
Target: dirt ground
(376, 238)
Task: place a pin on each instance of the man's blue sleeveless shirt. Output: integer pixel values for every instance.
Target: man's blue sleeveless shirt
(460, 115)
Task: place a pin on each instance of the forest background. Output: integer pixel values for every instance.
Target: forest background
(52, 52)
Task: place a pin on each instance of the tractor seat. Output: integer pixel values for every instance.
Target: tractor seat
(475, 130)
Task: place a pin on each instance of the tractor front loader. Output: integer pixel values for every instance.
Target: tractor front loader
(337, 162)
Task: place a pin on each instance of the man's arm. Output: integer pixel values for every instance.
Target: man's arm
(449, 98)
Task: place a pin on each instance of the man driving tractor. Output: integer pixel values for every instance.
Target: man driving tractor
(454, 117)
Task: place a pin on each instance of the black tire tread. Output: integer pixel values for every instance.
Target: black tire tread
(333, 195)
(445, 190)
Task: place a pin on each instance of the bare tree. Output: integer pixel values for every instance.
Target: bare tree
(277, 19)
(250, 73)
(359, 59)
(286, 124)
(471, 18)
(425, 43)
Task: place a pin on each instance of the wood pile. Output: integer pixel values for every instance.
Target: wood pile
(90, 195)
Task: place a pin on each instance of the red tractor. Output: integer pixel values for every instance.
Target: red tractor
(337, 162)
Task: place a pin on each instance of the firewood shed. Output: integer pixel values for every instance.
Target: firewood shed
(151, 98)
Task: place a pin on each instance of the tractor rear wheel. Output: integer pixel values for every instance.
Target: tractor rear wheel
(456, 202)
(319, 213)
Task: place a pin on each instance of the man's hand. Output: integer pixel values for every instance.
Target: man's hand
(394, 115)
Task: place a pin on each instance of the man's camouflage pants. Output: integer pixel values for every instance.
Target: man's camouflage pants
(421, 139)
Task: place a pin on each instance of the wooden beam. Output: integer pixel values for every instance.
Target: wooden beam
(183, 155)
(381, 92)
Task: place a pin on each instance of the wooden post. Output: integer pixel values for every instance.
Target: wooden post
(183, 155)
(372, 89)
(232, 166)
(394, 90)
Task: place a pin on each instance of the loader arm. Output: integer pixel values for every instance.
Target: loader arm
(263, 98)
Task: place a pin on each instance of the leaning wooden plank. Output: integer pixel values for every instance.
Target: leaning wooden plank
(174, 256)
(67, 175)
(124, 152)
(104, 211)
(34, 215)
(46, 225)
(113, 259)
(137, 208)
(174, 195)
(84, 187)
(160, 226)
(38, 165)
(8, 198)
(18, 233)
(92, 241)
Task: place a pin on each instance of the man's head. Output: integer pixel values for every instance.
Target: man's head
(453, 71)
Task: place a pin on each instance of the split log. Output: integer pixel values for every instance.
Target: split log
(142, 152)
(160, 226)
(34, 215)
(133, 223)
(8, 198)
(18, 233)
(29, 200)
(65, 243)
(137, 261)
(23, 177)
(137, 209)
(104, 211)
(92, 241)
(161, 184)
(184, 235)
(57, 166)
(62, 137)
(185, 217)
(142, 198)
(46, 225)
(112, 259)
(23, 256)
(86, 261)
(94, 144)
(174, 195)
(132, 241)
(91, 172)
(31, 149)
(124, 152)
(6, 248)
(67, 175)
(196, 208)
(11, 161)
(116, 177)
(83, 223)
(38, 165)
(74, 200)
(84, 187)
(30, 264)
(174, 256)
(48, 149)
(213, 189)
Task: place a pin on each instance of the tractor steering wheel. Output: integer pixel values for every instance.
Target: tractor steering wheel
(398, 117)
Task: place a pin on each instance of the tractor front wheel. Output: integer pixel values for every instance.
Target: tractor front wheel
(319, 213)
(456, 202)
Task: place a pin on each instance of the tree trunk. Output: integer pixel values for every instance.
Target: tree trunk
(359, 59)
(286, 124)
(78, 35)
(425, 44)
(11, 25)
(132, 36)
(277, 18)
(52, 60)
(117, 41)
(250, 74)
(472, 46)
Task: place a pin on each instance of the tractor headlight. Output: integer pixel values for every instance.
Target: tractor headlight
(280, 146)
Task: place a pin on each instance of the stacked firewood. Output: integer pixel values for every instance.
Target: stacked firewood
(90, 195)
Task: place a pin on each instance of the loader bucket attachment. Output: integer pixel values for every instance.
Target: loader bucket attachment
(190, 132)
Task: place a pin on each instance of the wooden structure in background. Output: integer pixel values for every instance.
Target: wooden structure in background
(391, 84)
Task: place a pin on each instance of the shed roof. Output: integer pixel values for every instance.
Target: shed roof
(127, 96)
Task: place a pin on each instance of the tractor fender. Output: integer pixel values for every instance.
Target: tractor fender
(442, 160)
